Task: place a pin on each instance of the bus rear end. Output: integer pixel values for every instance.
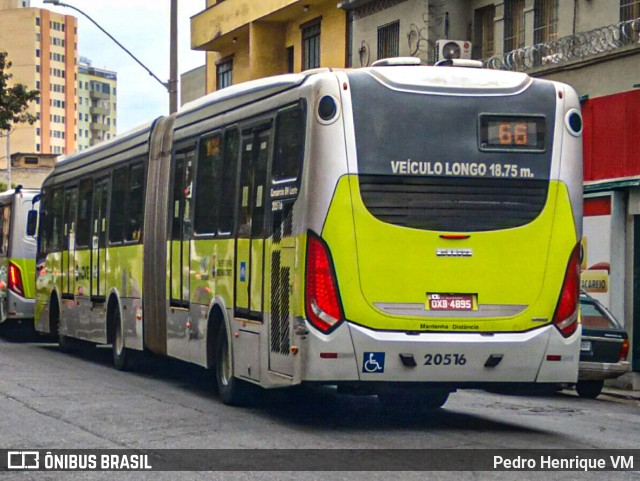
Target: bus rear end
(450, 251)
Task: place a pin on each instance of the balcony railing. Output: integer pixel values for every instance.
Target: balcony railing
(97, 126)
(571, 48)
(95, 94)
(99, 111)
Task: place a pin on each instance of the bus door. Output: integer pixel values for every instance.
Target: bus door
(69, 244)
(99, 240)
(251, 223)
(180, 251)
(288, 153)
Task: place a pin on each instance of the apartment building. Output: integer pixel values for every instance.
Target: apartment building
(42, 46)
(97, 104)
(246, 40)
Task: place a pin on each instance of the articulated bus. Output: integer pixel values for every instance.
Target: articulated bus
(17, 256)
(399, 230)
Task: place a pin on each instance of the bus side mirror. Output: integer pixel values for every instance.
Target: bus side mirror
(32, 222)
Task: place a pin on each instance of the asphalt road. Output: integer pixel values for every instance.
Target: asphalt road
(51, 400)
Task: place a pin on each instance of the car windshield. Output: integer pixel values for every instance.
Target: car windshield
(594, 317)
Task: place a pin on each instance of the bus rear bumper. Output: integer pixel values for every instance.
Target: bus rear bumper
(354, 353)
(19, 307)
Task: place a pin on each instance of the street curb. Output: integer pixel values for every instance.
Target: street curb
(629, 395)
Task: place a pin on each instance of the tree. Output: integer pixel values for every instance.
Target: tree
(14, 100)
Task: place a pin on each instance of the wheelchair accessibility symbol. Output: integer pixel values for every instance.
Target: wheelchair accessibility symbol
(373, 362)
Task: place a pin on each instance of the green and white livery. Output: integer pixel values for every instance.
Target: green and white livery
(392, 229)
(17, 255)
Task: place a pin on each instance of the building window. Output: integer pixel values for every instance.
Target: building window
(483, 44)
(290, 62)
(545, 26)
(224, 73)
(629, 9)
(389, 40)
(311, 45)
(38, 21)
(31, 160)
(513, 25)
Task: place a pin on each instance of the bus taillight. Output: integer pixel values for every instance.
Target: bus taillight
(15, 279)
(322, 299)
(566, 316)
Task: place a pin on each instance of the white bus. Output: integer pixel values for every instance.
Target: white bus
(17, 256)
(401, 229)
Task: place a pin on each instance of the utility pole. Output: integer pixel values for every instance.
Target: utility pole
(173, 58)
(8, 144)
(172, 84)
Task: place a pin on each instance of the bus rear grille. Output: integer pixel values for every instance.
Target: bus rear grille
(453, 204)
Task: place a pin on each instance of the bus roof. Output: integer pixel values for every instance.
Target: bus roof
(437, 80)
(9, 194)
(238, 95)
(448, 80)
(132, 143)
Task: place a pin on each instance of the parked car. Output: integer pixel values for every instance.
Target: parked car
(603, 350)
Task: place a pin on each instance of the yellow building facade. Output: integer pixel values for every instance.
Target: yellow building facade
(249, 39)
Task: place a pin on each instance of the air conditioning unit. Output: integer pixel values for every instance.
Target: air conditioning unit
(451, 49)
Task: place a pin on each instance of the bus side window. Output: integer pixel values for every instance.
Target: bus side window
(70, 222)
(135, 204)
(227, 202)
(44, 227)
(208, 180)
(56, 221)
(289, 144)
(84, 213)
(5, 218)
(119, 188)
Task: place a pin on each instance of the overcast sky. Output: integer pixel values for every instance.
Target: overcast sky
(142, 26)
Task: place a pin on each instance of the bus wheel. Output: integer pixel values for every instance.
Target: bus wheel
(232, 391)
(589, 389)
(121, 355)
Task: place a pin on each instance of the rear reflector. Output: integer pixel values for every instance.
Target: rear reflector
(328, 355)
(554, 357)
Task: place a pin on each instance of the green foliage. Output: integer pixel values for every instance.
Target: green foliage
(14, 100)
(3, 186)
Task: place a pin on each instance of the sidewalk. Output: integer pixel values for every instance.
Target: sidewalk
(621, 393)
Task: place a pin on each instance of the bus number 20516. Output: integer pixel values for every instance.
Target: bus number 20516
(445, 360)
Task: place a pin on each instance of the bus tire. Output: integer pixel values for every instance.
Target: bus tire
(589, 389)
(121, 355)
(231, 390)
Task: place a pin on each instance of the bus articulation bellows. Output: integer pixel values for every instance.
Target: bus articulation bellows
(402, 229)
